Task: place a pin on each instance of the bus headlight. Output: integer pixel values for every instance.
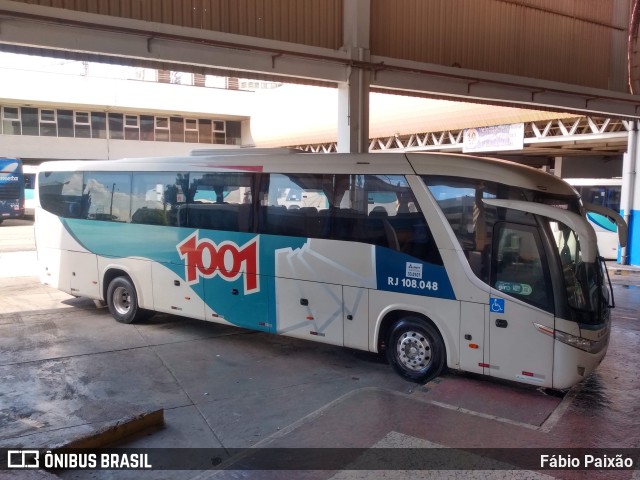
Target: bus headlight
(591, 346)
(578, 342)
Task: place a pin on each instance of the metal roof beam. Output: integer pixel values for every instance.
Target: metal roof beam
(85, 33)
(600, 134)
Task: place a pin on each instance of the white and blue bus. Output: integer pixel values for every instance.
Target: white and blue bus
(605, 192)
(11, 188)
(436, 260)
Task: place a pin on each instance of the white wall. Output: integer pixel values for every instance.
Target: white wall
(107, 94)
(27, 147)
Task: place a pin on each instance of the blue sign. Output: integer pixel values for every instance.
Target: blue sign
(496, 305)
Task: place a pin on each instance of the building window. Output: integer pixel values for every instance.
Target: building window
(177, 129)
(131, 121)
(65, 123)
(233, 133)
(30, 121)
(82, 125)
(11, 121)
(204, 130)
(82, 118)
(131, 127)
(48, 116)
(219, 135)
(98, 125)
(146, 128)
(116, 126)
(191, 130)
(48, 123)
(162, 129)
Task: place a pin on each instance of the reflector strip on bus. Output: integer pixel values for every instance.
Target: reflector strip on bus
(487, 365)
(531, 377)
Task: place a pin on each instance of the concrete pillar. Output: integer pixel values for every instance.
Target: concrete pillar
(557, 166)
(353, 93)
(629, 207)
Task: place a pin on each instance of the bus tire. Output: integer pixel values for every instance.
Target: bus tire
(122, 300)
(415, 350)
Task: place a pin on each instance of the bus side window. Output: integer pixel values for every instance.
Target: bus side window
(157, 197)
(61, 193)
(395, 219)
(470, 219)
(296, 205)
(221, 201)
(109, 196)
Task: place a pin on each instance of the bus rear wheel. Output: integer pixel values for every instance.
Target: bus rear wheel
(415, 350)
(122, 300)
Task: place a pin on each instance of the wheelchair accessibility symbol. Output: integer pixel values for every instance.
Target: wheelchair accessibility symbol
(497, 305)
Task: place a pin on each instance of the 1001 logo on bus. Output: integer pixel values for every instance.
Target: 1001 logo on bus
(203, 258)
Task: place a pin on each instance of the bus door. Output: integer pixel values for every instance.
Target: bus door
(521, 308)
(521, 298)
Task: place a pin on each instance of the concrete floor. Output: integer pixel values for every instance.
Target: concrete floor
(67, 368)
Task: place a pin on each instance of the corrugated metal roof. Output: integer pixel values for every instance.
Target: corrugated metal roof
(560, 40)
(308, 22)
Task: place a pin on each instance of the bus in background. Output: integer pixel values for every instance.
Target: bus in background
(29, 173)
(435, 260)
(11, 189)
(604, 192)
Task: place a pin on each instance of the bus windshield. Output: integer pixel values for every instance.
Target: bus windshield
(586, 293)
(11, 188)
(505, 249)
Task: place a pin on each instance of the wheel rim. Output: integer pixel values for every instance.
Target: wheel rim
(414, 350)
(122, 300)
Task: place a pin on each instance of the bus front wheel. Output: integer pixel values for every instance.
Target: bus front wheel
(415, 350)
(122, 300)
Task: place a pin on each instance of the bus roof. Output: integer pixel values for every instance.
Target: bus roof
(588, 182)
(284, 161)
(9, 165)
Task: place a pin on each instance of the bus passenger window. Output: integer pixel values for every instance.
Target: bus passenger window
(61, 193)
(108, 196)
(297, 205)
(395, 220)
(221, 201)
(158, 198)
(371, 209)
